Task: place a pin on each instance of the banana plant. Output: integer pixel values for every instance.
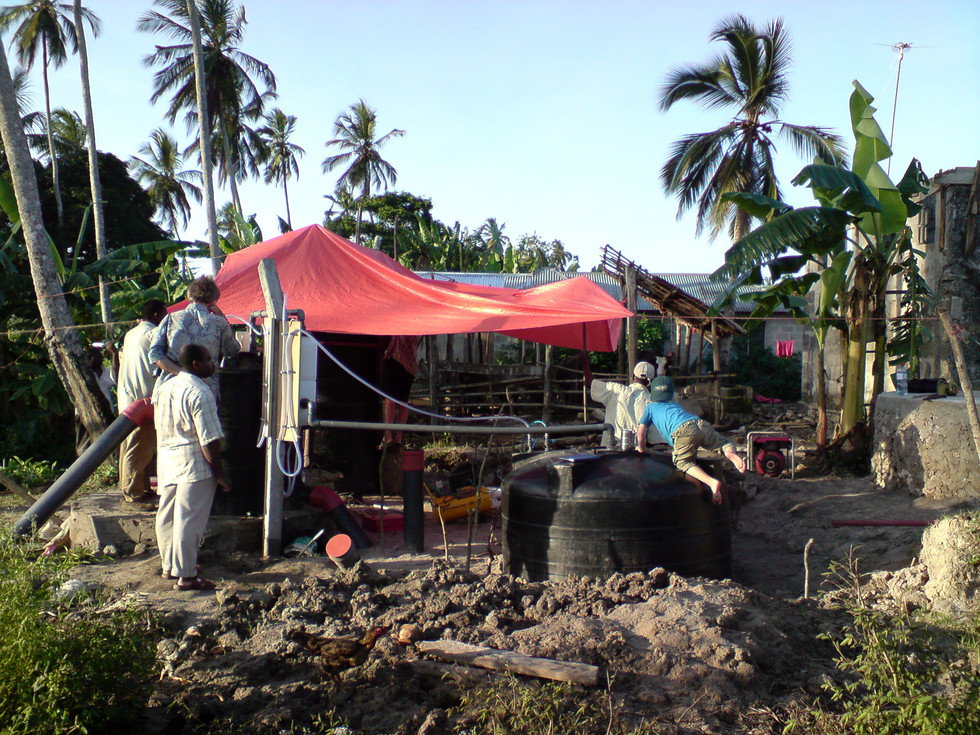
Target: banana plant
(858, 228)
(235, 231)
(431, 246)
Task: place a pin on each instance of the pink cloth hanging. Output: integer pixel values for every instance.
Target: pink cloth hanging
(784, 348)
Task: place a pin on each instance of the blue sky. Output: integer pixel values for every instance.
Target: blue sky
(543, 114)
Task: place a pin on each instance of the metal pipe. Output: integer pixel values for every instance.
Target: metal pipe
(419, 429)
(66, 485)
(912, 523)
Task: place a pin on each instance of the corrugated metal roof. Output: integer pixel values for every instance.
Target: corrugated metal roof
(701, 287)
(698, 285)
(519, 281)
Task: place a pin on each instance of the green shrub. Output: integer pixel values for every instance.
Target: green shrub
(905, 673)
(66, 667)
(768, 375)
(30, 472)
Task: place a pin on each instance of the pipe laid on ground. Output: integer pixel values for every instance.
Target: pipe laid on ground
(37, 515)
(455, 429)
(914, 523)
(334, 506)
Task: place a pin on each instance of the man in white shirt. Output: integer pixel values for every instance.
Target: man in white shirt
(624, 403)
(188, 464)
(136, 380)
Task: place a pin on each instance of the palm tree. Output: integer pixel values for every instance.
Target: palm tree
(61, 337)
(750, 79)
(233, 98)
(68, 135)
(31, 119)
(204, 133)
(278, 154)
(355, 132)
(169, 184)
(48, 27)
(95, 180)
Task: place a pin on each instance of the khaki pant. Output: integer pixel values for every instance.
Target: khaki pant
(181, 520)
(689, 437)
(135, 456)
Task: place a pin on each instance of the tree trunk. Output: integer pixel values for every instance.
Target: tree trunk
(55, 180)
(852, 409)
(230, 170)
(204, 133)
(101, 247)
(821, 404)
(289, 218)
(60, 337)
(963, 372)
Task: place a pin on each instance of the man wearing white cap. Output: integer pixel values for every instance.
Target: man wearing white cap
(624, 404)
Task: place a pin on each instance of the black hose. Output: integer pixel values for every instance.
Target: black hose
(83, 467)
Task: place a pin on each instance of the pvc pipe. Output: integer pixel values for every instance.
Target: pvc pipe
(333, 505)
(65, 486)
(413, 464)
(913, 523)
(420, 429)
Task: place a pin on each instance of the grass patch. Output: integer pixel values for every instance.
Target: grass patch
(513, 706)
(67, 668)
(904, 672)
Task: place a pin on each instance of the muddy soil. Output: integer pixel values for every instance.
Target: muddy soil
(677, 655)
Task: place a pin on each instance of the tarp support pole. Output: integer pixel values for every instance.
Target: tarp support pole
(631, 321)
(271, 371)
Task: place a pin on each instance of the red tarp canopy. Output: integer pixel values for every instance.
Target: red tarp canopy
(346, 288)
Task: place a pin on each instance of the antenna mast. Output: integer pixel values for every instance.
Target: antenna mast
(901, 47)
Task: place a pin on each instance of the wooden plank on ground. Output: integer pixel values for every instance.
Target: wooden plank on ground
(518, 663)
(16, 489)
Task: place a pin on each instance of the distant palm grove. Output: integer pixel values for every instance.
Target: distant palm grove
(100, 234)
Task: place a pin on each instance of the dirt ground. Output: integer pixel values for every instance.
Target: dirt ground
(678, 655)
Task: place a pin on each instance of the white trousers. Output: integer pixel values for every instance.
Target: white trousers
(181, 519)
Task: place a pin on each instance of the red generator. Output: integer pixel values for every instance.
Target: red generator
(770, 453)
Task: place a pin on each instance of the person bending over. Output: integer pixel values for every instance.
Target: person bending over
(624, 403)
(685, 433)
(201, 322)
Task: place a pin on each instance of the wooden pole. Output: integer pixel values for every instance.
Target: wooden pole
(548, 382)
(700, 350)
(715, 346)
(964, 375)
(432, 354)
(518, 663)
(271, 370)
(585, 388)
(631, 325)
(687, 349)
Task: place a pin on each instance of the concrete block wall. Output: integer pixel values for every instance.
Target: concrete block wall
(925, 448)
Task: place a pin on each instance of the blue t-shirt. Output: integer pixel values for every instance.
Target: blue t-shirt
(666, 416)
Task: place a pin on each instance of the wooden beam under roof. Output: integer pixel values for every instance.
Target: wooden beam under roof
(668, 298)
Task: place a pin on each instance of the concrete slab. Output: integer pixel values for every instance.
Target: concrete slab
(98, 520)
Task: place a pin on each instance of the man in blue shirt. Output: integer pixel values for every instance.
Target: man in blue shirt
(685, 433)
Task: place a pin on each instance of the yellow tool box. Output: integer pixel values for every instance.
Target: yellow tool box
(458, 504)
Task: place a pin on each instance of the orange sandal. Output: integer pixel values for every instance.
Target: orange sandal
(169, 575)
(196, 583)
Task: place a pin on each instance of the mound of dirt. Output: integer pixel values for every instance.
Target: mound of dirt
(679, 655)
(673, 648)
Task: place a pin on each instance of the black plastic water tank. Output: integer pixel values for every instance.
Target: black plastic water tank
(594, 514)
(240, 412)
